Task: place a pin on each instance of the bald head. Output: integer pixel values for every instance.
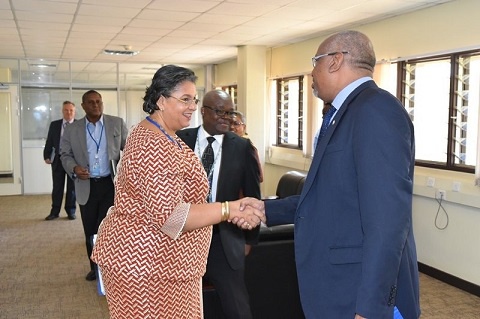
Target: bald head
(342, 58)
(213, 96)
(361, 55)
(217, 111)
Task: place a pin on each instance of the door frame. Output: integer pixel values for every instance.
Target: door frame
(14, 188)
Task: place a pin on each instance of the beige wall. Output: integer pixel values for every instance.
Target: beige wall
(226, 73)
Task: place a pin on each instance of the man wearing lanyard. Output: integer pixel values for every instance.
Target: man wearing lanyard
(87, 149)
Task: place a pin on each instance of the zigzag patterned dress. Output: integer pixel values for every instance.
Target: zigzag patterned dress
(150, 268)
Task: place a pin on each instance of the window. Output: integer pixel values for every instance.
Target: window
(441, 94)
(232, 91)
(289, 98)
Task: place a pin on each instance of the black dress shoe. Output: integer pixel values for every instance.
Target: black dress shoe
(91, 276)
(72, 216)
(51, 217)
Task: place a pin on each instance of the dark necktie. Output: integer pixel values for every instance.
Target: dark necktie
(325, 123)
(208, 158)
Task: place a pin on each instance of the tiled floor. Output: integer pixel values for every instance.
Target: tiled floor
(43, 265)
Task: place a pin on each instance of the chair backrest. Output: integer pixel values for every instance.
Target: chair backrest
(291, 183)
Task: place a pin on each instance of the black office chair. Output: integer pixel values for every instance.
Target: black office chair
(270, 272)
(291, 183)
(271, 275)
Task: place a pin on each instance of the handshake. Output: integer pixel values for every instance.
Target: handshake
(247, 213)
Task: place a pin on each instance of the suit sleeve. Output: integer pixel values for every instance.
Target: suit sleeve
(124, 134)
(383, 152)
(257, 158)
(66, 152)
(281, 211)
(47, 150)
(251, 186)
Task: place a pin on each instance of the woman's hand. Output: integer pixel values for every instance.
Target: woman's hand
(247, 213)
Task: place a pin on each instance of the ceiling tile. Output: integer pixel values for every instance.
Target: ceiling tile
(180, 31)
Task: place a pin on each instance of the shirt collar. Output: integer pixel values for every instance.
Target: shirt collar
(202, 136)
(345, 92)
(100, 120)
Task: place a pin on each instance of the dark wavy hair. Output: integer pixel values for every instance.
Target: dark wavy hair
(164, 82)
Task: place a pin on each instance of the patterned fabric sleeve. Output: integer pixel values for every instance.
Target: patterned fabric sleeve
(174, 224)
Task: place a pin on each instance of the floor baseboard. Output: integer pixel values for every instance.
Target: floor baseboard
(449, 279)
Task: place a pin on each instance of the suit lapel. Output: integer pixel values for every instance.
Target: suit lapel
(57, 135)
(190, 138)
(322, 144)
(227, 156)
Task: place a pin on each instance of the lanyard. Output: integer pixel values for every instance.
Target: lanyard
(94, 140)
(164, 132)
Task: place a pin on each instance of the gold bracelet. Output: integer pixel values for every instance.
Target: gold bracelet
(227, 214)
(224, 210)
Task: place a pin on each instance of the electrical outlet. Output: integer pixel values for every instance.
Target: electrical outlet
(430, 181)
(456, 186)
(441, 194)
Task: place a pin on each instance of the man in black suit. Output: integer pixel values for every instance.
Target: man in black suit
(234, 174)
(51, 155)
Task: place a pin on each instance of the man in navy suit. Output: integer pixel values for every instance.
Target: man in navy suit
(51, 155)
(235, 173)
(354, 246)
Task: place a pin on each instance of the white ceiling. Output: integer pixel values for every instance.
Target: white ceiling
(186, 32)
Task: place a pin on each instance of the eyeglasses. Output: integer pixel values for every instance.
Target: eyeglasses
(221, 113)
(187, 101)
(316, 58)
(236, 123)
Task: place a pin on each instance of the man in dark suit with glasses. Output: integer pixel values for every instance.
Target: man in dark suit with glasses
(233, 173)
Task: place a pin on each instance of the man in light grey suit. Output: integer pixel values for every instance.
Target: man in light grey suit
(88, 147)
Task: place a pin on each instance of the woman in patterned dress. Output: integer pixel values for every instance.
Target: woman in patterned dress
(153, 245)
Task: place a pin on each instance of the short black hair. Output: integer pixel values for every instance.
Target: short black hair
(165, 80)
(84, 96)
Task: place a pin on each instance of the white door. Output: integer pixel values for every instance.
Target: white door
(10, 159)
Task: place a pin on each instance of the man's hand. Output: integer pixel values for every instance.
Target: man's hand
(81, 172)
(253, 202)
(248, 206)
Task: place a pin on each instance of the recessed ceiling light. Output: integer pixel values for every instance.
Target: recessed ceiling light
(120, 52)
(43, 65)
